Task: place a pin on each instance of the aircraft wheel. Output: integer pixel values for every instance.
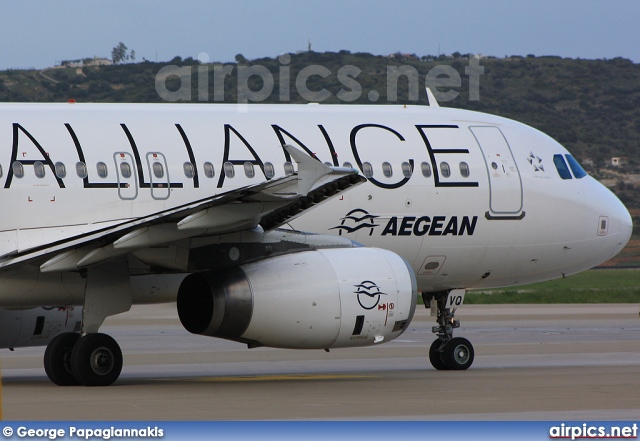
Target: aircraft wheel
(96, 360)
(435, 356)
(458, 354)
(57, 359)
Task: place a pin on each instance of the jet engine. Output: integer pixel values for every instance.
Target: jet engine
(320, 299)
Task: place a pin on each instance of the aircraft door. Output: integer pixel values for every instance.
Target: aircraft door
(505, 182)
(159, 175)
(125, 170)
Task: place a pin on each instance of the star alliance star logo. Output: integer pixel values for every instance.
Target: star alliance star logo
(361, 218)
(368, 294)
(536, 162)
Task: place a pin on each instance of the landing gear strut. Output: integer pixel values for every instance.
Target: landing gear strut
(448, 352)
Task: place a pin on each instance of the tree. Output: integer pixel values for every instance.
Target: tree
(119, 53)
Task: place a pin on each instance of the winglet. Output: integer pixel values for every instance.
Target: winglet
(431, 99)
(310, 170)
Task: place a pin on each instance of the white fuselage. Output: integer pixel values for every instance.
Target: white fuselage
(468, 199)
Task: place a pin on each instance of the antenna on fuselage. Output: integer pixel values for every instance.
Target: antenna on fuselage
(431, 99)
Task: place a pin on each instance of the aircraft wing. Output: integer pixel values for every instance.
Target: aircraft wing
(269, 204)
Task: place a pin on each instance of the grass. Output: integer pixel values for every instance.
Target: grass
(594, 286)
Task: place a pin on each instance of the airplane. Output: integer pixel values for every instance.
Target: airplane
(293, 226)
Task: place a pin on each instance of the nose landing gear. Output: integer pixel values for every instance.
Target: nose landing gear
(448, 352)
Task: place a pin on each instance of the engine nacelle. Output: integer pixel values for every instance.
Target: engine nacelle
(37, 326)
(319, 299)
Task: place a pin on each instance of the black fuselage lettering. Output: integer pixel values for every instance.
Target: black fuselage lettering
(391, 227)
(356, 154)
(436, 226)
(452, 227)
(256, 161)
(421, 227)
(424, 225)
(468, 226)
(405, 226)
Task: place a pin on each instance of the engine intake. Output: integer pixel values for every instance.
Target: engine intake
(218, 304)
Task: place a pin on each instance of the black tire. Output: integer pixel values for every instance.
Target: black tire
(435, 356)
(458, 354)
(57, 359)
(96, 360)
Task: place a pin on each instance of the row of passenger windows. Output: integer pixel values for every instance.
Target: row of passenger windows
(126, 170)
(81, 170)
(425, 168)
(230, 171)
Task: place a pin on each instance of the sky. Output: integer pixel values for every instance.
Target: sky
(39, 34)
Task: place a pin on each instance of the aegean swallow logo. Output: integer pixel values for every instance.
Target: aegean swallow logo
(359, 218)
(368, 294)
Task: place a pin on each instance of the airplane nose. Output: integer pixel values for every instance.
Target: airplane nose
(620, 225)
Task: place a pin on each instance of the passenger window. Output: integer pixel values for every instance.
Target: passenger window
(406, 169)
(0, 170)
(347, 165)
(328, 164)
(125, 170)
(561, 166)
(81, 170)
(189, 170)
(209, 171)
(158, 170)
(229, 170)
(61, 170)
(249, 170)
(445, 169)
(576, 168)
(426, 170)
(102, 170)
(387, 171)
(367, 169)
(38, 167)
(18, 169)
(269, 170)
(288, 168)
(464, 169)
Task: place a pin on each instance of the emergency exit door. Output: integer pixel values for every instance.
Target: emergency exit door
(159, 173)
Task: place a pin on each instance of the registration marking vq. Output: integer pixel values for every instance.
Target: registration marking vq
(455, 298)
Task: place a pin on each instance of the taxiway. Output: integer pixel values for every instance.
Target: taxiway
(533, 362)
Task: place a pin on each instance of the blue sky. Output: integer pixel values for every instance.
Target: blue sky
(40, 33)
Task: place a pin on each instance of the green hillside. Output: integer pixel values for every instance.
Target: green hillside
(590, 106)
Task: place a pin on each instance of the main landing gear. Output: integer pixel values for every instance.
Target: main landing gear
(448, 352)
(92, 360)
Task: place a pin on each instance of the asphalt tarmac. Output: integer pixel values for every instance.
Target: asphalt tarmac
(549, 362)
